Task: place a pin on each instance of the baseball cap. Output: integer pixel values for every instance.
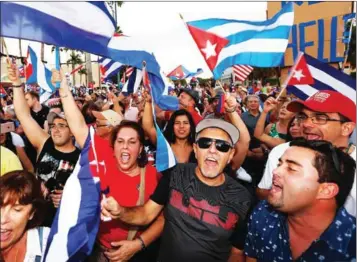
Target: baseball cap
(230, 129)
(191, 93)
(326, 101)
(53, 115)
(111, 116)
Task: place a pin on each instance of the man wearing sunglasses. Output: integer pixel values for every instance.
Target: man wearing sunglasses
(304, 218)
(205, 209)
(327, 115)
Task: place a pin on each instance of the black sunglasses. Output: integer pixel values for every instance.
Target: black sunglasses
(221, 145)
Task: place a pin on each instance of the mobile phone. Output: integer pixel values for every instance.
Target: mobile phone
(7, 127)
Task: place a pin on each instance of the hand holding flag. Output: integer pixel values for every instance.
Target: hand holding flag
(13, 73)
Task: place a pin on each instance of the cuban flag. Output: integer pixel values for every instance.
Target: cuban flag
(132, 85)
(309, 75)
(181, 72)
(68, 24)
(225, 42)
(76, 223)
(128, 71)
(37, 72)
(108, 68)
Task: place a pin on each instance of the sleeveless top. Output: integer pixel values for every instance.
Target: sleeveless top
(275, 134)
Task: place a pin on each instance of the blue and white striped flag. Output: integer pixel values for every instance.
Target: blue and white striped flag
(78, 25)
(38, 73)
(224, 42)
(108, 68)
(134, 81)
(322, 77)
(75, 227)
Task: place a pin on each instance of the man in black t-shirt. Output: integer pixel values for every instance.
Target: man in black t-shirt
(205, 209)
(38, 112)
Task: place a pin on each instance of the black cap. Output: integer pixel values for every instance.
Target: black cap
(192, 93)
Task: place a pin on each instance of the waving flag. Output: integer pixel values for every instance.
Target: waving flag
(37, 72)
(108, 68)
(128, 71)
(134, 81)
(181, 72)
(76, 223)
(309, 75)
(224, 43)
(241, 72)
(165, 158)
(68, 24)
(2, 92)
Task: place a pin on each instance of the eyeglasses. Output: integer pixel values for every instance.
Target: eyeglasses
(221, 145)
(58, 126)
(100, 125)
(317, 119)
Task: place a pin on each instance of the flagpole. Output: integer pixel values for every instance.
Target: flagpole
(6, 51)
(287, 79)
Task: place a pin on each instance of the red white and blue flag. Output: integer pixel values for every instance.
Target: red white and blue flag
(309, 75)
(128, 71)
(133, 83)
(241, 72)
(108, 68)
(181, 72)
(76, 223)
(37, 72)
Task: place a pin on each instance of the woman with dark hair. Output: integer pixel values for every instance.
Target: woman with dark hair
(128, 179)
(22, 207)
(294, 130)
(179, 132)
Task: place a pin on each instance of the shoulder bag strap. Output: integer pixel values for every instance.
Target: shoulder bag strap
(141, 200)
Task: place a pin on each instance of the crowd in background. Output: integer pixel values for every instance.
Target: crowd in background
(259, 176)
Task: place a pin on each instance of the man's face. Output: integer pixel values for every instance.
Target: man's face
(253, 103)
(186, 100)
(30, 100)
(331, 131)
(60, 132)
(102, 128)
(211, 161)
(295, 181)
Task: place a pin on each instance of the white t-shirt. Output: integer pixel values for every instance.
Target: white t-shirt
(33, 247)
(17, 140)
(273, 161)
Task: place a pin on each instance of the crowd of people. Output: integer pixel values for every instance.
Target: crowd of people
(259, 176)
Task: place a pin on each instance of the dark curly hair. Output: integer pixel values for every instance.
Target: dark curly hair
(23, 187)
(142, 159)
(169, 130)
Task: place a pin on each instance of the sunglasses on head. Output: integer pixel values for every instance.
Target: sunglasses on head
(221, 145)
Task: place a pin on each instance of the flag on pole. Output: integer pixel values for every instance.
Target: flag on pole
(37, 72)
(76, 69)
(241, 72)
(76, 223)
(132, 84)
(225, 42)
(108, 68)
(181, 72)
(309, 75)
(165, 157)
(128, 71)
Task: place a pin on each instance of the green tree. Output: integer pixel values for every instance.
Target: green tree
(82, 72)
(75, 59)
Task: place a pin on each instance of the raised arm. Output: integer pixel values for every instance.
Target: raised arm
(36, 135)
(74, 116)
(269, 105)
(148, 120)
(242, 145)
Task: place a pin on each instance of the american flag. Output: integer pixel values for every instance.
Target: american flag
(129, 70)
(241, 72)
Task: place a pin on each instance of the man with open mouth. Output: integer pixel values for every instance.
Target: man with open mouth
(304, 218)
(204, 208)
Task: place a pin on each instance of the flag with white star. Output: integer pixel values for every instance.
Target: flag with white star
(226, 42)
(309, 75)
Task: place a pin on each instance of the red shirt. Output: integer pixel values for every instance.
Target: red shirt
(125, 190)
